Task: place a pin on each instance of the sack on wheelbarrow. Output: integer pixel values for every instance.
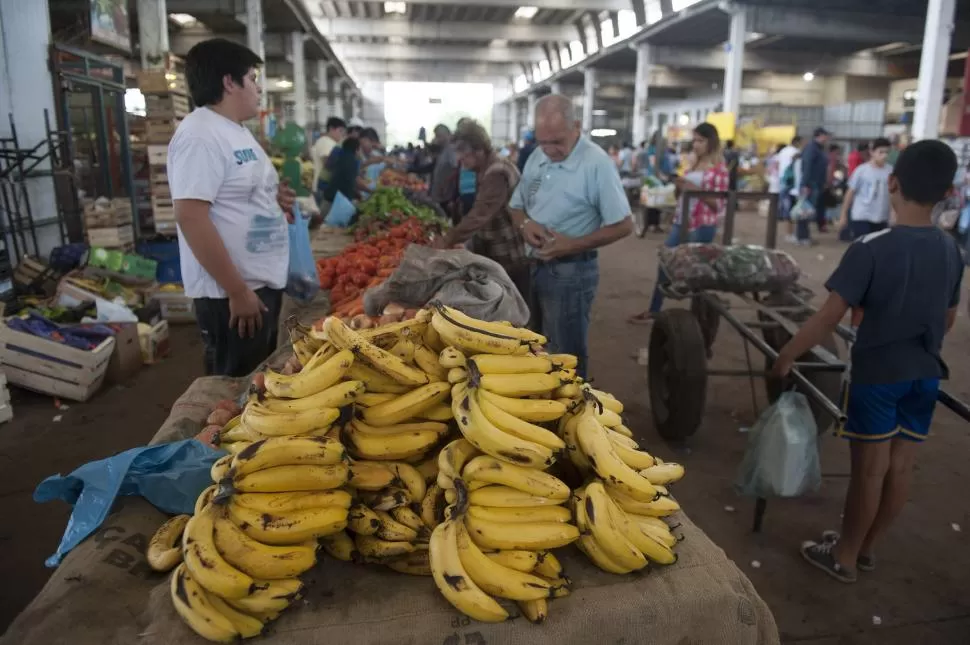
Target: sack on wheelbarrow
(781, 459)
(736, 269)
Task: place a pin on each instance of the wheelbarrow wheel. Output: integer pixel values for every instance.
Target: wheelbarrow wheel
(677, 374)
(709, 320)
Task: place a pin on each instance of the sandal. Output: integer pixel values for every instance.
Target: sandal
(643, 318)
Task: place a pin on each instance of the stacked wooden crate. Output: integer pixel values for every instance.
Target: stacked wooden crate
(166, 104)
(6, 411)
(108, 224)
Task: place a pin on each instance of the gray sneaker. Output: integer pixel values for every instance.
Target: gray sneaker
(863, 563)
(820, 556)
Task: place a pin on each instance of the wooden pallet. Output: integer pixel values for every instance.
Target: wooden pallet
(116, 237)
(158, 175)
(166, 106)
(160, 81)
(157, 154)
(160, 130)
(116, 214)
(163, 209)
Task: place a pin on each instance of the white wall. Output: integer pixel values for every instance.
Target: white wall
(501, 121)
(373, 107)
(895, 105)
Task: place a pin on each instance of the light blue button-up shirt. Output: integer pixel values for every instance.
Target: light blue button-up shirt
(574, 197)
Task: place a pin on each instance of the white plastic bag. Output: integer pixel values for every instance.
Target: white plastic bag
(781, 459)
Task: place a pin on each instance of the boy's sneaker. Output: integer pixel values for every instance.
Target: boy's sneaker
(820, 556)
(863, 563)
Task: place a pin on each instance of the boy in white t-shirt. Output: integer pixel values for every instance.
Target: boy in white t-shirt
(230, 209)
(866, 206)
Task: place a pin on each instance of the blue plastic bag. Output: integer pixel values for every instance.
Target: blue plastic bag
(302, 282)
(170, 476)
(341, 211)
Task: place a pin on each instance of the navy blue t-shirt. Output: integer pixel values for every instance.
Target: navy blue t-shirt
(905, 279)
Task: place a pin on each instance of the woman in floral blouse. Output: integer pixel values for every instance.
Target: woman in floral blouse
(706, 173)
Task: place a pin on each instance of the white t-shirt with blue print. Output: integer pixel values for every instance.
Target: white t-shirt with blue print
(213, 159)
(870, 184)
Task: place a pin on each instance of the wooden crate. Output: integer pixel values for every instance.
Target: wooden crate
(117, 213)
(160, 130)
(34, 276)
(166, 106)
(158, 176)
(52, 368)
(176, 306)
(160, 81)
(115, 237)
(157, 154)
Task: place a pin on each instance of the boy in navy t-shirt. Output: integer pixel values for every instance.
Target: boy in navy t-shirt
(906, 282)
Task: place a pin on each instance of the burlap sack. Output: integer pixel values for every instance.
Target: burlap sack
(104, 593)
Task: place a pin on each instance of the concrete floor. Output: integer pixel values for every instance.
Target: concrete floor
(918, 594)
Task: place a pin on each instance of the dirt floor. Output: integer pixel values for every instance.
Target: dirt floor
(918, 594)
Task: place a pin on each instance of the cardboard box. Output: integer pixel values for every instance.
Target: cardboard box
(154, 342)
(176, 306)
(126, 360)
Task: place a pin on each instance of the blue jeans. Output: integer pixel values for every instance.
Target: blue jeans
(563, 293)
(701, 235)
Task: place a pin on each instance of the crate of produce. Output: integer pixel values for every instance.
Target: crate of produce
(166, 254)
(166, 106)
(35, 277)
(157, 154)
(162, 81)
(176, 306)
(50, 367)
(160, 130)
(154, 341)
(115, 237)
(103, 213)
(163, 208)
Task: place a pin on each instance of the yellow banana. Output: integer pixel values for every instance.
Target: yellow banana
(163, 553)
(270, 596)
(407, 405)
(247, 626)
(588, 544)
(531, 536)
(412, 478)
(374, 548)
(609, 401)
(662, 474)
(528, 480)
(635, 459)
(339, 546)
(220, 468)
(204, 562)
(503, 327)
(649, 525)
(406, 516)
(367, 399)
(193, 606)
(603, 457)
(376, 382)
(362, 520)
(643, 540)
(412, 328)
(561, 586)
(428, 469)
(390, 447)
(311, 379)
(427, 360)
(284, 479)
(548, 565)
(241, 432)
(258, 560)
(437, 412)
(433, 506)
(276, 424)
(513, 385)
(393, 531)
(370, 475)
(337, 396)
(474, 340)
(383, 361)
(451, 357)
(295, 527)
(204, 498)
(435, 426)
(430, 337)
(567, 392)
(607, 532)
(457, 375)
(454, 582)
(505, 497)
(521, 513)
(288, 451)
(518, 426)
(494, 364)
(415, 564)
(403, 349)
(385, 500)
(623, 430)
(535, 611)
(564, 361)
(660, 507)
(494, 578)
(519, 560)
(567, 429)
(452, 459)
(621, 439)
(483, 434)
(282, 503)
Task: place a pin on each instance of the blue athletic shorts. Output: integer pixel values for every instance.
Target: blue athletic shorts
(883, 411)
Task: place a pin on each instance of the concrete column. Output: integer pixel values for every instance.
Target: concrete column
(641, 88)
(556, 87)
(152, 32)
(530, 117)
(299, 79)
(733, 69)
(254, 40)
(323, 94)
(937, 36)
(589, 96)
(514, 133)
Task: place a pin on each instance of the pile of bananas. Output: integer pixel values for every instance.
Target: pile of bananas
(438, 446)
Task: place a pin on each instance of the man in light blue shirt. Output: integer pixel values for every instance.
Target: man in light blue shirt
(569, 203)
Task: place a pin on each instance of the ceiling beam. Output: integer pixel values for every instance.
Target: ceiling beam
(774, 61)
(494, 73)
(359, 51)
(869, 28)
(593, 5)
(335, 28)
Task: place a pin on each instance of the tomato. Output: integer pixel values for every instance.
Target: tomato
(326, 281)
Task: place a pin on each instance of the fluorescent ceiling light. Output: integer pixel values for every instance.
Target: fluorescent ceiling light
(500, 42)
(808, 77)
(395, 7)
(603, 132)
(284, 84)
(884, 49)
(683, 119)
(526, 13)
(753, 36)
(182, 19)
(395, 40)
(599, 112)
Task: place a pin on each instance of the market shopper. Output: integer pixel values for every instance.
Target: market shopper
(444, 177)
(866, 207)
(815, 169)
(322, 147)
(231, 211)
(487, 226)
(569, 203)
(708, 173)
(906, 282)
